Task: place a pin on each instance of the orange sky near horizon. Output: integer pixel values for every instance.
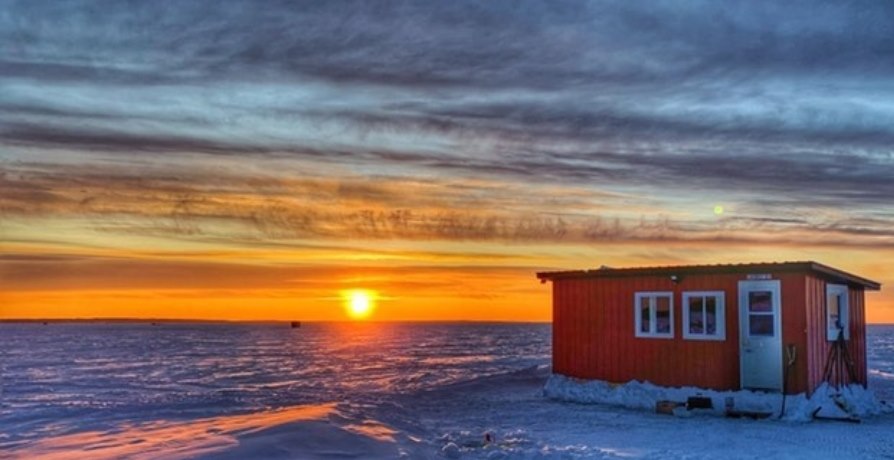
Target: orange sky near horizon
(250, 285)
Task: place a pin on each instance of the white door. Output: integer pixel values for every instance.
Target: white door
(760, 335)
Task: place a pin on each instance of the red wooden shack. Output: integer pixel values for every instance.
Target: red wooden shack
(765, 326)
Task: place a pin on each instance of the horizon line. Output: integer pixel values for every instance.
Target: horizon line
(252, 321)
(113, 319)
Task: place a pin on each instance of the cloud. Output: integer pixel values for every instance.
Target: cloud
(532, 45)
(521, 121)
(655, 81)
(230, 208)
(66, 271)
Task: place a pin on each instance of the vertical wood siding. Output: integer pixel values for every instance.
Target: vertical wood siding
(857, 298)
(594, 337)
(794, 331)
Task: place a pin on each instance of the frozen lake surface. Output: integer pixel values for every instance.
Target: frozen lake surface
(372, 390)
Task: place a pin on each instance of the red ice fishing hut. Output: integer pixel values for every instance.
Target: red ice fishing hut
(769, 326)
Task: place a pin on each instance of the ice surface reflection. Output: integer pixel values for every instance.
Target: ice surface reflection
(115, 386)
(63, 377)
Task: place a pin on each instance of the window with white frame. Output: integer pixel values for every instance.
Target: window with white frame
(704, 315)
(654, 313)
(836, 311)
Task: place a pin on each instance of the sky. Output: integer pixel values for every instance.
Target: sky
(257, 160)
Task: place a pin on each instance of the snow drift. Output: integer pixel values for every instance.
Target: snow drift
(852, 400)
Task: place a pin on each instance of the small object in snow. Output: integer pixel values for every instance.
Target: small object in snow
(667, 407)
(839, 417)
(842, 403)
(730, 403)
(699, 402)
(451, 450)
(757, 415)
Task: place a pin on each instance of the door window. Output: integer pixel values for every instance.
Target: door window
(761, 320)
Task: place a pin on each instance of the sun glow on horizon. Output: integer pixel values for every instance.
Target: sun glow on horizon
(359, 303)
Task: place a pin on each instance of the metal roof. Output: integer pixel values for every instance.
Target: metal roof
(817, 268)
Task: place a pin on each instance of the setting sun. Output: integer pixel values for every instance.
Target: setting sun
(359, 303)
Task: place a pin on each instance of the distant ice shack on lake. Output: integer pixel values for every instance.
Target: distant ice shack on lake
(765, 326)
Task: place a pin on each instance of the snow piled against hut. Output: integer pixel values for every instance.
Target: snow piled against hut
(853, 400)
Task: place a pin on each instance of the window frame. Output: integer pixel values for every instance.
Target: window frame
(720, 315)
(843, 311)
(653, 310)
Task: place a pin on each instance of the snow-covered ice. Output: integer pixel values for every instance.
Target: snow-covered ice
(381, 391)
